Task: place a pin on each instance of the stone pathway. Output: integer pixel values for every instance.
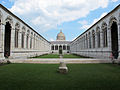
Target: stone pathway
(56, 60)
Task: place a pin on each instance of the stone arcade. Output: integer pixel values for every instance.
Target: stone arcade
(17, 39)
(101, 39)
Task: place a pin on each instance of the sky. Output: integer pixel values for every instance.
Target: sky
(48, 17)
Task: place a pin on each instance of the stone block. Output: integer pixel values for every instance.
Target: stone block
(63, 68)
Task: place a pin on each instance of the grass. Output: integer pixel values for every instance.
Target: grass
(72, 56)
(46, 77)
(57, 56)
(48, 56)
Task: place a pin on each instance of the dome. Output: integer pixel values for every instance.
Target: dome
(60, 36)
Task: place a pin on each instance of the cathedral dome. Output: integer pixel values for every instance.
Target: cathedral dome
(60, 36)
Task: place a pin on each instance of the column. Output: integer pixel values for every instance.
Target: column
(25, 36)
(19, 39)
(109, 39)
(2, 34)
(119, 39)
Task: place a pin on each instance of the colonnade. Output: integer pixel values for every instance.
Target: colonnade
(18, 39)
(56, 47)
(102, 39)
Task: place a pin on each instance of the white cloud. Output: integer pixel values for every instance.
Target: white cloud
(86, 26)
(48, 14)
(83, 22)
(3, 2)
(51, 39)
(114, 0)
(97, 19)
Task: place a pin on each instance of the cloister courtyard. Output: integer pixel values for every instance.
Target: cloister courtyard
(28, 61)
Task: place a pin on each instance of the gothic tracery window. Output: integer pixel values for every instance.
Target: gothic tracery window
(22, 40)
(16, 34)
(23, 37)
(93, 38)
(104, 29)
(89, 40)
(98, 37)
(86, 41)
(27, 41)
(31, 40)
(27, 38)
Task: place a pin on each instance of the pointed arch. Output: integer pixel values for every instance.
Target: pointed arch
(9, 19)
(86, 41)
(23, 37)
(1, 27)
(7, 40)
(89, 40)
(93, 38)
(104, 30)
(114, 37)
(98, 36)
(17, 28)
(27, 38)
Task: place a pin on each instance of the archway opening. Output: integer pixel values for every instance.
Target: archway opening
(114, 39)
(60, 49)
(7, 39)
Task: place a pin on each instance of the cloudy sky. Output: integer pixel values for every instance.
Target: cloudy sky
(49, 16)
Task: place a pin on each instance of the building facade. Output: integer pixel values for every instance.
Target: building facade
(60, 46)
(102, 39)
(17, 39)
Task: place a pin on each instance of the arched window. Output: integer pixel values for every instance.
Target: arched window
(82, 43)
(89, 40)
(27, 39)
(22, 40)
(22, 37)
(34, 41)
(68, 47)
(104, 29)
(86, 41)
(31, 42)
(64, 47)
(56, 47)
(0, 31)
(98, 37)
(93, 38)
(17, 26)
(0, 27)
(52, 47)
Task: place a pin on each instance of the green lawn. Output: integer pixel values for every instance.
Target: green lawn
(48, 56)
(46, 77)
(57, 56)
(72, 56)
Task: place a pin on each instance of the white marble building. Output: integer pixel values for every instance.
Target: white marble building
(60, 44)
(102, 39)
(17, 39)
